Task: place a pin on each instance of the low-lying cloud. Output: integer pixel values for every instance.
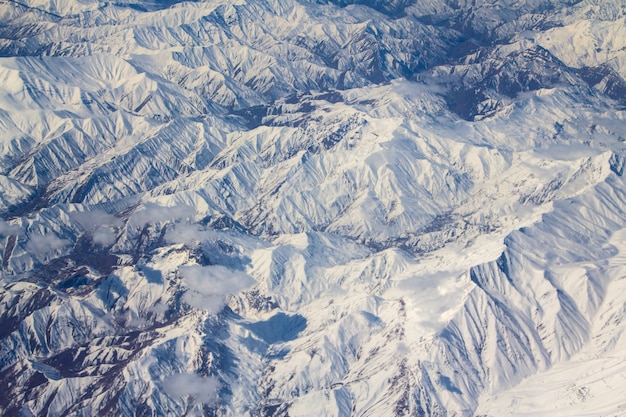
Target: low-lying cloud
(188, 234)
(209, 286)
(155, 213)
(104, 235)
(39, 245)
(92, 220)
(201, 389)
(8, 229)
(102, 225)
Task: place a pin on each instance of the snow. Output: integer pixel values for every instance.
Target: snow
(208, 285)
(204, 390)
(591, 382)
(287, 208)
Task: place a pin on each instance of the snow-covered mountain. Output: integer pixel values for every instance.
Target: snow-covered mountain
(306, 208)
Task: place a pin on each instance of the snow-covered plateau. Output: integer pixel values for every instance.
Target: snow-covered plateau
(313, 208)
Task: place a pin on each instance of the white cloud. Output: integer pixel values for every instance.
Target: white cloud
(209, 302)
(154, 213)
(104, 236)
(100, 224)
(158, 308)
(210, 285)
(43, 244)
(8, 229)
(91, 220)
(202, 389)
(189, 234)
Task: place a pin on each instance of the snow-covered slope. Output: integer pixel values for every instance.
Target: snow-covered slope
(312, 208)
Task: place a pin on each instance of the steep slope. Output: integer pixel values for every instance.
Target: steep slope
(303, 208)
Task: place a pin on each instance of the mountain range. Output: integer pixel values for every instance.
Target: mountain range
(313, 207)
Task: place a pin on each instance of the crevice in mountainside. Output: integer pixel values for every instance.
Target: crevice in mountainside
(8, 250)
(21, 307)
(498, 82)
(606, 80)
(618, 163)
(395, 9)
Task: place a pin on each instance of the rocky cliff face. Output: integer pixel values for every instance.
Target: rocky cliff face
(312, 208)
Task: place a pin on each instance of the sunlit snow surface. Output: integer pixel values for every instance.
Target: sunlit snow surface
(312, 208)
